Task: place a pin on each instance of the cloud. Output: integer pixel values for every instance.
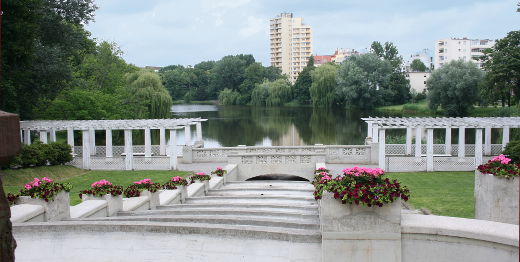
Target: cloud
(254, 26)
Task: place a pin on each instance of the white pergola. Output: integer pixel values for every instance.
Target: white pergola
(378, 125)
(88, 127)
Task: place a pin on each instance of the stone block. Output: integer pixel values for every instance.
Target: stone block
(187, 154)
(55, 210)
(114, 203)
(153, 197)
(496, 198)
(206, 185)
(360, 233)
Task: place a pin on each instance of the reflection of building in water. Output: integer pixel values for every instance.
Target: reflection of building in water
(291, 138)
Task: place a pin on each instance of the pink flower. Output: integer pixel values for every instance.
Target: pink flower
(101, 183)
(502, 159)
(146, 181)
(137, 182)
(27, 186)
(200, 174)
(176, 179)
(219, 168)
(48, 180)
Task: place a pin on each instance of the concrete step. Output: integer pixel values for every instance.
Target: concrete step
(248, 207)
(220, 219)
(261, 192)
(258, 199)
(271, 184)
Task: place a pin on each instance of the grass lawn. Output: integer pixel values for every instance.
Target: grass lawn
(444, 193)
(80, 179)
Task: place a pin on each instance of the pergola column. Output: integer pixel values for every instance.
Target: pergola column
(447, 141)
(409, 132)
(27, 136)
(487, 141)
(147, 143)
(108, 143)
(173, 150)
(429, 149)
(462, 142)
(162, 141)
(382, 147)
(53, 135)
(43, 137)
(478, 146)
(375, 132)
(505, 137)
(86, 148)
(418, 142)
(92, 141)
(129, 150)
(198, 126)
(187, 135)
(369, 129)
(70, 138)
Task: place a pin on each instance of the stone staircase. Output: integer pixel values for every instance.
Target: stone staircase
(277, 210)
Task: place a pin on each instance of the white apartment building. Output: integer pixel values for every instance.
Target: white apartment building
(291, 44)
(418, 80)
(424, 56)
(464, 49)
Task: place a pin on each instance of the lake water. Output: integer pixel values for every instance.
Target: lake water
(275, 126)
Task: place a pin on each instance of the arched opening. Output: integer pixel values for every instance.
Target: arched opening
(277, 177)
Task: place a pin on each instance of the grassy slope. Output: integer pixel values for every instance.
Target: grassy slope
(80, 179)
(444, 193)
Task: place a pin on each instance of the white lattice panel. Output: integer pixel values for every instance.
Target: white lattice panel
(78, 150)
(151, 163)
(107, 163)
(77, 162)
(496, 149)
(395, 149)
(405, 164)
(453, 164)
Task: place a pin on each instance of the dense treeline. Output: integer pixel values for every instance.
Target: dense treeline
(53, 69)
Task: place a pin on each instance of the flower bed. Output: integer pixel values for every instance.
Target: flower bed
(44, 188)
(219, 171)
(101, 188)
(201, 176)
(500, 166)
(137, 187)
(175, 182)
(360, 186)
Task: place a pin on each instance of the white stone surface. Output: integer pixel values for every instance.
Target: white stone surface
(27, 213)
(136, 203)
(55, 210)
(216, 182)
(89, 208)
(195, 190)
(496, 198)
(167, 197)
(154, 198)
(114, 203)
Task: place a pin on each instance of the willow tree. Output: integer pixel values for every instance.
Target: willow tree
(323, 88)
(147, 97)
(279, 93)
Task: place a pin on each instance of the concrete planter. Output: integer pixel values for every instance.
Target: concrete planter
(206, 185)
(360, 233)
(115, 203)
(496, 198)
(183, 193)
(55, 210)
(154, 198)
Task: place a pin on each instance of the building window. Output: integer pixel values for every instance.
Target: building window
(425, 82)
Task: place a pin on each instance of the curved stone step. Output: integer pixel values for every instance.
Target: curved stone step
(260, 192)
(225, 211)
(217, 230)
(242, 205)
(259, 199)
(220, 219)
(268, 185)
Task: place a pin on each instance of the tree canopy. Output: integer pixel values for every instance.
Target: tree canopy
(418, 66)
(323, 88)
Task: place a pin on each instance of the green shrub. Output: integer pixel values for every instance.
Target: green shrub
(59, 153)
(39, 154)
(512, 151)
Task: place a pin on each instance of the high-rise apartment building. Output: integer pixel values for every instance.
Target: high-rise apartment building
(464, 49)
(291, 44)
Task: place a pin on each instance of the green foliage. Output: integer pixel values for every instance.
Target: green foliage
(388, 52)
(418, 66)
(502, 63)
(512, 151)
(454, 87)
(323, 88)
(39, 154)
(147, 97)
(228, 97)
(304, 83)
(260, 94)
(279, 93)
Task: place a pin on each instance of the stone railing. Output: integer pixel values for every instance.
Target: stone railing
(439, 149)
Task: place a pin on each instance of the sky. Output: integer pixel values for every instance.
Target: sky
(171, 32)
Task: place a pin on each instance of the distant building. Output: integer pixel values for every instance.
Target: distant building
(322, 59)
(424, 56)
(338, 57)
(291, 44)
(464, 49)
(418, 80)
(153, 68)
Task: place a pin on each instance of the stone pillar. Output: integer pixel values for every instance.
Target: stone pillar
(86, 148)
(43, 137)
(70, 138)
(478, 147)
(92, 142)
(462, 142)
(198, 126)
(447, 141)
(173, 149)
(409, 141)
(129, 150)
(147, 143)
(53, 135)
(187, 135)
(487, 141)
(382, 147)
(505, 137)
(375, 132)
(162, 141)
(27, 136)
(429, 149)
(418, 142)
(108, 143)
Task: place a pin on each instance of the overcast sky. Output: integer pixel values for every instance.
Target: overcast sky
(166, 32)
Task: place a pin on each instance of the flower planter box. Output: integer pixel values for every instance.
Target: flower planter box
(496, 198)
(360, 233)
(115, 203)
(206, 185)
(183, 192)
(55, 210)
(154, 198)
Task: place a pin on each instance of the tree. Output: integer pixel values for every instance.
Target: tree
(454, 87)
(303, 83)
(229, 73)
(260, 94)
(418, 66)
(253, 74)
(279, 93)
(228, 97)
(502, 63)
(147, 97)
(323, 88)
(387, 52)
